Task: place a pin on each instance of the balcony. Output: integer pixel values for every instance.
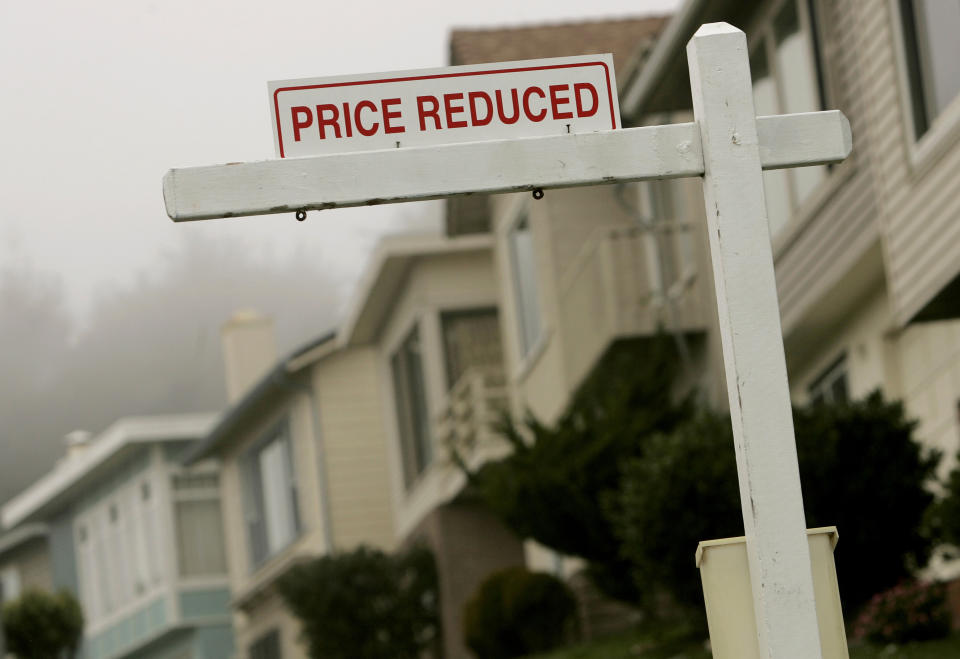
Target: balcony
(629, 281)
(464, 425)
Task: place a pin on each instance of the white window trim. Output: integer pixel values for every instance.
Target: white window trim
(525, 362)
(943, 132)
(417, 321)
(94, 625)
(266, 435)
(802, 214)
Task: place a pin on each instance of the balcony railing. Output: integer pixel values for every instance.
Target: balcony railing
(629, 281)
(465, 425)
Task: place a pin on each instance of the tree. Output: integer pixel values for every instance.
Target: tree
(43, 625)
(861, 470)
(552, 486)
(365, 604)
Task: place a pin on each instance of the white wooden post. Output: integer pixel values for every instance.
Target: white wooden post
(770, 497)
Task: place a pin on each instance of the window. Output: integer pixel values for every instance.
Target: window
(831, 385)
(930, 29)
(270, 490)
(787, 78)
(471, 339)
(416, 448)
(525, 284)
(119, 550)
(200, 546)
(267, 646)
(9, 584)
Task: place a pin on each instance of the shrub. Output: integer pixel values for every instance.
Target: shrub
(911, 611)
(516, 612)
(43, 625)
(684, 490)
(365, 604)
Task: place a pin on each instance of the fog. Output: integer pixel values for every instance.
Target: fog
(150, 346)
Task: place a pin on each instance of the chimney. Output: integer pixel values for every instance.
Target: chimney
(249, 351)
(76, 442)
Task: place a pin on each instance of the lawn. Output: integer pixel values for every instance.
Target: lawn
(646, 645)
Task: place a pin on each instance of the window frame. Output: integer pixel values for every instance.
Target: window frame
(279, 430)
(464, 312)
(187, 493)
(762, 35)
(944, 131)
(526, 340)
(820, 389)
(408, 445)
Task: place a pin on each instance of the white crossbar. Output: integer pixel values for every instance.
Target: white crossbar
(412, 174)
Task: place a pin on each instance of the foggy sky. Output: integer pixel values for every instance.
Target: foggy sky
(107, 308)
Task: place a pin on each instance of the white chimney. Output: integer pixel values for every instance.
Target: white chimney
(76, 442)
(249, 351)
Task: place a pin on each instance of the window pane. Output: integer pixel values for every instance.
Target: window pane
(9, 584)
(269, 494)
(200, 538)
(776, 186)
(797, 70)
(471, 339)
(415, 438)
(938, 24)
(267, 646)
(278, 514)
(525, 284)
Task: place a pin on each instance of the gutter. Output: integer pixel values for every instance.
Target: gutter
(651, 72)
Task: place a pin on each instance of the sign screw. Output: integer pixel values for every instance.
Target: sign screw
(301, 215)
(538, 193)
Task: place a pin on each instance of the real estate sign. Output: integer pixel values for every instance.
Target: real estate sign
(427, 107)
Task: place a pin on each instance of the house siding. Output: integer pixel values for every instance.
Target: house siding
(920, 208)
(352, 432)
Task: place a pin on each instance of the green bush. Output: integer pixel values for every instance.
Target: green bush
(42, 625)
(860, 468)
(911, 611)
(551, 486)
(365, 604)
(516, 612)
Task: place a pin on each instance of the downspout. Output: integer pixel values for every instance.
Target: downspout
(283, 378)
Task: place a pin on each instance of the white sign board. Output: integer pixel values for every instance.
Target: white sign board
(427, 107)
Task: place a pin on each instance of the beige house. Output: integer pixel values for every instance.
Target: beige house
(867, 252)
(428, 308)
(513, 307)
(304, 470)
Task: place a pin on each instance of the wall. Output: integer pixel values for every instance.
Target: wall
(355, 448)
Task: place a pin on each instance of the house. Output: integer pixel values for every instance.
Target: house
(867, 252)
(456, 325)
(137, 537)
(304, 469)
(428, 308)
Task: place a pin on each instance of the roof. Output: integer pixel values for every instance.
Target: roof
(662, 82)
(276, 380)
(72, 475)
(386, 273)
(625, 38)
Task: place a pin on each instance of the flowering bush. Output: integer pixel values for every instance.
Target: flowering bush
(911, 611)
